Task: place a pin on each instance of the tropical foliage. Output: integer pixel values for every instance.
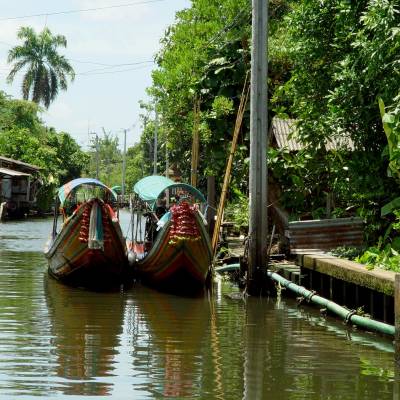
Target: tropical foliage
(329, 63)
(106, 158)
(46, 71)
(24, 137)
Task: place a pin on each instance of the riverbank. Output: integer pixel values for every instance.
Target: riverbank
(368, 292)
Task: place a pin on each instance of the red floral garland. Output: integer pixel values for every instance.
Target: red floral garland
(184, 226)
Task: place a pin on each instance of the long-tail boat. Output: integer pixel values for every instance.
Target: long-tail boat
(172, 251)
(89, 250)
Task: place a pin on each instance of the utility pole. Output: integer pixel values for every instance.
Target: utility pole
(195, 144)
(96, 143)
(97, 157)
(108, 156)
(123, 168)
(155, 145)
(258, 227)
(166, 157)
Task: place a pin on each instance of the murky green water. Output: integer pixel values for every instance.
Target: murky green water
(60, 342)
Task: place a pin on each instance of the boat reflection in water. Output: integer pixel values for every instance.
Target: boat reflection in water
(146, 344)
(86, 329)
(174, 330)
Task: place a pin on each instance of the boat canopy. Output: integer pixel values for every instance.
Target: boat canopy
(150, 188)
(65, 191)
(117, 189)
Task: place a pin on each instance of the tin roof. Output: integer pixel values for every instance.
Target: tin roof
(23, 164)
(11, 172)
(283, 131)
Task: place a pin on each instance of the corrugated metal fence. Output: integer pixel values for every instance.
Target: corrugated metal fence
(315, 236)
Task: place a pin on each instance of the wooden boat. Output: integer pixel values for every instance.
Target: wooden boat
(90, 249)
(175, 251)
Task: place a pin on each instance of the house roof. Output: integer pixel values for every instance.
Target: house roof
(283, 131)
(21, 163)
(11, 172)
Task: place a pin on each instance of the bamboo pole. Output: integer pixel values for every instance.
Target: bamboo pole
(238, 124)
(195, 144)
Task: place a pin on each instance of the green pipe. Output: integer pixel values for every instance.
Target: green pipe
(228, 268)
(348, 315)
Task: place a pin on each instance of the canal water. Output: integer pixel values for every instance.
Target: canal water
(58, 342)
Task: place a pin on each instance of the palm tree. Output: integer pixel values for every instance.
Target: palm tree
(46, 70)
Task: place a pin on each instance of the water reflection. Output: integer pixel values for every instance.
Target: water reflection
(61, 342)
(86, 327)
(175, 331)
(396, 389)
(285, 356)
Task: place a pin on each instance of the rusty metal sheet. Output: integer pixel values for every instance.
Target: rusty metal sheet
(314, 236)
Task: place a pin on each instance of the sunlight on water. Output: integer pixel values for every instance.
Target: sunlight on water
(61, 342)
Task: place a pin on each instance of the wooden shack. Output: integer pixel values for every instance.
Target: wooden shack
(309, 236)
(19, 184)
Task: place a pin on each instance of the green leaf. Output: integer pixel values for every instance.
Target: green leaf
(396, 244)
(388, 118)
(389, 207)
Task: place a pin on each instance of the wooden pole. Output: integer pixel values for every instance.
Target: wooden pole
(211, 212)
(123, 169)
(397, 317)
(166, 156)
(258, 227)
(396, 388)
(195, 144)
(222, 199)
(155, 145)
(97, 156)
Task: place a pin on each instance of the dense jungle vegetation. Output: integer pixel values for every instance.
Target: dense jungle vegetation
(330, 62)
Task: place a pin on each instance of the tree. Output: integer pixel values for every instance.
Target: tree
(204, 58)
(24, 137)
(109, 157)
(46, 70)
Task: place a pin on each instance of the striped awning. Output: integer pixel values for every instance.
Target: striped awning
(65, 191)
(150, 188)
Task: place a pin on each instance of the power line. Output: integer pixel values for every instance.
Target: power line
(81, 10)
(113, 66)
(234, 23)
(103, 64)
(110, 72)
